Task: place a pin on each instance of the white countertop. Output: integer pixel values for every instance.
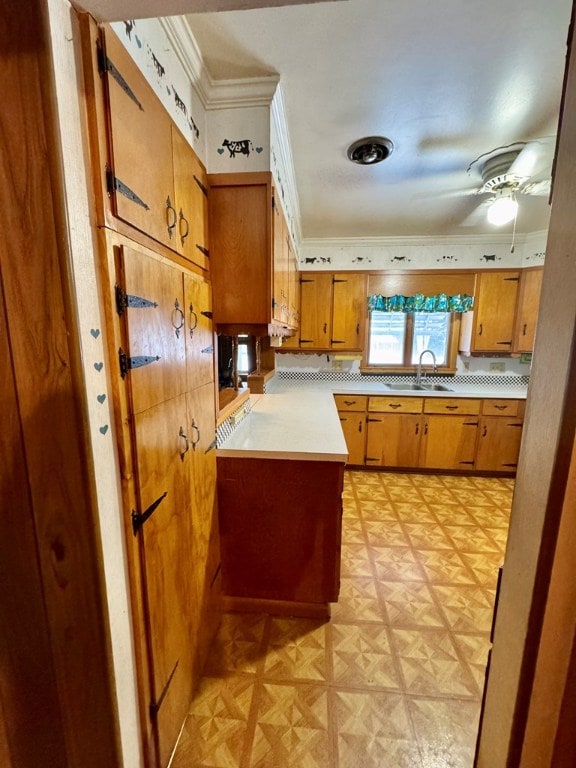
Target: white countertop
(279, 385)
(289, 426)
(298, 420)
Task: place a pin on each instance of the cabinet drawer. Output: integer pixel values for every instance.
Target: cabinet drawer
(501, 407)
(350, 402)
(451, 405)
(395, 404)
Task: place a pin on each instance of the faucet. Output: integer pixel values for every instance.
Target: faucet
(419, 369)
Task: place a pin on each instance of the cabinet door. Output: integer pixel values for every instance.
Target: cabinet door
(494, 311)
(353, 426)
(348, 311)
(198, 331)
(393, 440)
(316, 301)
(191, 202)
(498, 443)
(528, 305)
(241, 248)
(141, 177)
(204, 552)
(152, 304)
(163, 493)
(449, 442)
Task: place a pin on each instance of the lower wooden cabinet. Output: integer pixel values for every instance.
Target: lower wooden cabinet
(443, 433)
(498, 443)
(448, 442)
(352, 413)
(393, 439)
(280, 532)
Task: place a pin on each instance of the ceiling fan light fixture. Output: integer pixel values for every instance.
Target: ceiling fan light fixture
(503, 209)
(370, 150)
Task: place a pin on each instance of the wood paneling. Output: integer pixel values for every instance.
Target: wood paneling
(76, 725)
(409, 283)
(280, 525)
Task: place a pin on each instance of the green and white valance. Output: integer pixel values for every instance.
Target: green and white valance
(461, 302)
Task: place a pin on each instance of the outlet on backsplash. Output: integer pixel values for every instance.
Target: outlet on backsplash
(497, 367)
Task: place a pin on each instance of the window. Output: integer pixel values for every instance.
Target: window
(397, 339)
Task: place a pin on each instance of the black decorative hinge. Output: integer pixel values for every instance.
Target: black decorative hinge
(154, 707)
(203, 250)
(207, 314)
(335, 341)
(114, 184)
(139, 518)
(128, 301)
(207, 350)
(107, 65)
(127, 363)
(337, 280)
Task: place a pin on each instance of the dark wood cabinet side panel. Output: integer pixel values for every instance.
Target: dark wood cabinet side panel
(280, 527)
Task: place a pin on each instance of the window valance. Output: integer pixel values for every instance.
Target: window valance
(461, 302)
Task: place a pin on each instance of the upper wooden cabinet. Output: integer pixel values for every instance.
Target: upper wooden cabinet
(527, 310)
(332, 310)
(149, 175)
(250, 254)
(495, 300)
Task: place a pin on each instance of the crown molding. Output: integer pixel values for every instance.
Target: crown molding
(278, 117)
(215, 94)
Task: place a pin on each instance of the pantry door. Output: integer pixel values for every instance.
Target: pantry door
(164, 493)
(152, 361)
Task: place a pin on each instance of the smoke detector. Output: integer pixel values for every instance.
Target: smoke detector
(371, 150)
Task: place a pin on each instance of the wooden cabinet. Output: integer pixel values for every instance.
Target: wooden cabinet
(332, 311)
(281, 524)
(527, 309)
(352, 413)
(166, 397)
(249, 280)
(443, 433)
(154, 181)
(393, 439)
(499, 435)
(495, 299)
(448, 442)
(449, 433)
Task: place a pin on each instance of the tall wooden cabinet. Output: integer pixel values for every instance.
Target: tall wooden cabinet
(154, 261)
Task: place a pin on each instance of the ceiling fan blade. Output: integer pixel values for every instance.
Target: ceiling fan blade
(537, 188)
(477, 215)
(535, 159)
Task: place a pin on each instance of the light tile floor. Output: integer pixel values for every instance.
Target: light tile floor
(394, 679)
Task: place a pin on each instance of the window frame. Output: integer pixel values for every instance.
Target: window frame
(406, 367)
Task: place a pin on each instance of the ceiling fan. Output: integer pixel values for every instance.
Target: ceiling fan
(523, 168)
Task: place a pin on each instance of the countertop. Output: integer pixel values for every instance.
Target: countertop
(289, 426)
(298, 420)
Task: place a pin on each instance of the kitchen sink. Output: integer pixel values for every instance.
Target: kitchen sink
(404, 387)
(417, 387)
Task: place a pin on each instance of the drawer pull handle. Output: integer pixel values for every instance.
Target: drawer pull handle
(500, 407)
(484, 431)
(395, 405)
(451, 407)
(349, 402)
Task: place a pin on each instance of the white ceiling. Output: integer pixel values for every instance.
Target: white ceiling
(445, 80)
